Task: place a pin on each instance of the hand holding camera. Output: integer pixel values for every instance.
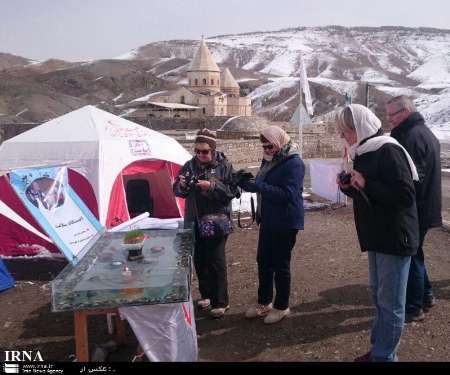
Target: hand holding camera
(241, 176)
(354, 179)
(188, 182)
(343, 179)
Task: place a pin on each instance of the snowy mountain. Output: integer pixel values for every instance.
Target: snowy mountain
(338, 60)
(393, 60)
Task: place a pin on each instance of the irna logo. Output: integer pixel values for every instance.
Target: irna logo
(23, 356)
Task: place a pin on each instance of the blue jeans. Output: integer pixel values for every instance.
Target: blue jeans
(418, 283)
(388, 278)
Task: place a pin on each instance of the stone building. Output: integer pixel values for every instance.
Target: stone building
(210, 92)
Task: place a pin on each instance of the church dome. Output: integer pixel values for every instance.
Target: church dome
(203, 61)
(243, 127)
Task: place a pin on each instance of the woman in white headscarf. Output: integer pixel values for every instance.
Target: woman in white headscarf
(381, 185)
(279, 187)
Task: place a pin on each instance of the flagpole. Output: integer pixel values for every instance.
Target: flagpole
(300, 128)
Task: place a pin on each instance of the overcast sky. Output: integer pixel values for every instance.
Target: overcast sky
(92, 29)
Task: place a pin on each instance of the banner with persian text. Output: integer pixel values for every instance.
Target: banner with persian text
(46, 193)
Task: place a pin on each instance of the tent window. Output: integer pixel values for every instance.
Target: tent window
(139, 199)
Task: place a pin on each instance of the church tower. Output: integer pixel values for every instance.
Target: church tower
(229, 84)
(203, 74)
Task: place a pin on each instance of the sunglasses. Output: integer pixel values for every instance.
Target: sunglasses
(203, 152)
(267, 147)
(396, 113)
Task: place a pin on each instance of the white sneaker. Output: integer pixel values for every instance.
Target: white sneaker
(276, 315)
(258, 310)
(218, 312)
(203, 303)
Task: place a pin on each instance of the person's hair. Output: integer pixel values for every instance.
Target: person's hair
(344, 120)
(403, 101)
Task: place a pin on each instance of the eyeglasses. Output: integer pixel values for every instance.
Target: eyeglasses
(203, 152)
(396, 113)
(267, 147)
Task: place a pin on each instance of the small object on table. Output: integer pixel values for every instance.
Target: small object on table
(157, 249)
(133, 242)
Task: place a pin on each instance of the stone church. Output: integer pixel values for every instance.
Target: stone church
(210, 92)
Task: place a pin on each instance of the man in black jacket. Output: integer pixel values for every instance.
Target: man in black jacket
(409, 129)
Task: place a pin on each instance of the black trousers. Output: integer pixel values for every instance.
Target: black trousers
(274, 262)
(211, 267)
(419, 286)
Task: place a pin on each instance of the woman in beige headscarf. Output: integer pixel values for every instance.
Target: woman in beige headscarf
(279, 185)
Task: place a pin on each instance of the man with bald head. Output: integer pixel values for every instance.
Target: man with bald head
(409, 129)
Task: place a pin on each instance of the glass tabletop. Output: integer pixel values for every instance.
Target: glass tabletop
(105, 278)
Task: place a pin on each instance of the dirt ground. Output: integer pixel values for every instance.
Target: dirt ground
(330, 303)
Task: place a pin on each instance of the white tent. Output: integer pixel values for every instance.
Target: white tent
(107, 151)
(93, 142)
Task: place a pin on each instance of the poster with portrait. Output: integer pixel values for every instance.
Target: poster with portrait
(57, 208)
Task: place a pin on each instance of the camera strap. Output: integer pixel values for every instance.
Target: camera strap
(252, 205)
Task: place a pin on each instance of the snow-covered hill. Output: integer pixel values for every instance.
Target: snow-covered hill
(338, 60)
(392, 59)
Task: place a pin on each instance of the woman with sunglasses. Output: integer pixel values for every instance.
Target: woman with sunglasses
(279, 187)
(206, 183)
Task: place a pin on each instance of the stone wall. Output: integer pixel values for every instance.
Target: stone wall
(318, 142)
(161, 124)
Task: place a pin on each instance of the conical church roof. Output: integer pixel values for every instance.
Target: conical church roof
(203, 60)
(227, 79)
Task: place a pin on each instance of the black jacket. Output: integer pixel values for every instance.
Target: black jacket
(424, 149)
(215, 200)
(387, 221)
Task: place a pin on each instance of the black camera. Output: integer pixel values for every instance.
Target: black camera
(241, 176)
(191, 181)
(345, 178)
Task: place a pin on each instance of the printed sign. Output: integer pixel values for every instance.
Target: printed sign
(57, 208)
(139, 148)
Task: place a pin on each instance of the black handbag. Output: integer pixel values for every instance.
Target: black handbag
(214, 225)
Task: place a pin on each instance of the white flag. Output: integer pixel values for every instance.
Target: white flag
(304, 85)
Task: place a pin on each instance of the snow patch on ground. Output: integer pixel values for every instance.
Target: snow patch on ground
(272, 89)
(341, 87)
(127, 112)
(118, 97)
(435, 73)
(21, 112)
(148, 96)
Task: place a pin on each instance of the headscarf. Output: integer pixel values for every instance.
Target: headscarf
(276, 136)
(366, 126)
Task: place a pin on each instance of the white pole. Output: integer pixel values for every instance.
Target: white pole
(300, 128)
